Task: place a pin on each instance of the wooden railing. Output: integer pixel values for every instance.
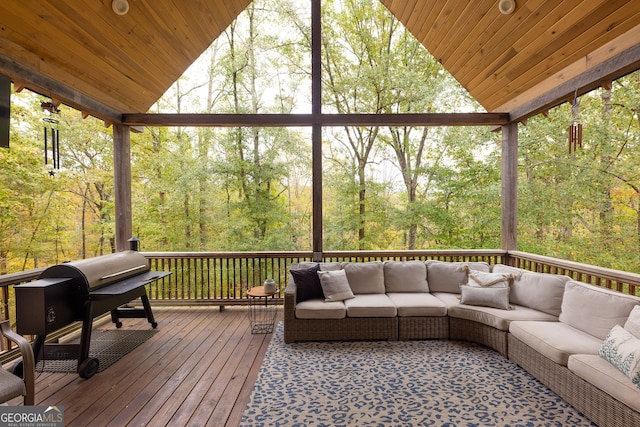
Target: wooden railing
(621, 281)
(223, 278)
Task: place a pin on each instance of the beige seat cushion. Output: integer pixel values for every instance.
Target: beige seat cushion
(595, 310)
(606, 377)
(320, 309)
(448, 299)
(499, 318)
(370, 305)
(417, 304)
(555, 340)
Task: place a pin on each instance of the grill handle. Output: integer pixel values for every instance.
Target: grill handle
(119, 273)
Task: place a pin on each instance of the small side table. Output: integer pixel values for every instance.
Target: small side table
(262, 315)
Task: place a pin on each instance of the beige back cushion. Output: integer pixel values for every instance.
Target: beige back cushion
(365, 277)
(448, 276)
(407, 276)
(539, 291)
(595, 310)
(633, 322)
(324, 266)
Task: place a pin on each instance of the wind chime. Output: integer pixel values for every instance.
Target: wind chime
(51, 133)
(575, 128)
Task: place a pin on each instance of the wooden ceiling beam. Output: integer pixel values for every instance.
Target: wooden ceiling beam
(39, 83)
(294, 120)
(618, 66)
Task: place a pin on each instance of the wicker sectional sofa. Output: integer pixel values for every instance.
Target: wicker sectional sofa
(553, 327)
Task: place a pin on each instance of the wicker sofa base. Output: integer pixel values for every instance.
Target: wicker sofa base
(347, 329)
(423, 328)
(595, 404)
(468, 330)
(365, 328)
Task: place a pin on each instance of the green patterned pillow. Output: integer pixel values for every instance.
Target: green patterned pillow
(622, 350)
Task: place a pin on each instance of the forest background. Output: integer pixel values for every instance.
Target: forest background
(238, 189)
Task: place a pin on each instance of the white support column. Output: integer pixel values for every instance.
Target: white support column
(509, 186)
(122, 185)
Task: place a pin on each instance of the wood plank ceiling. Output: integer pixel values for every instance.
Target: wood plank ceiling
(124, 62)
(83, 54)
(498, 58)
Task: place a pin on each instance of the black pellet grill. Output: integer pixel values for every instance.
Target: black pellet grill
(80, 291)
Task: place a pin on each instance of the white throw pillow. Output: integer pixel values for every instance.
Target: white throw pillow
(335, 285)
(622, 350)
(488, 280)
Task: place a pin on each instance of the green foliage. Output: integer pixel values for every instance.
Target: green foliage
(236, 189)
(583, 205)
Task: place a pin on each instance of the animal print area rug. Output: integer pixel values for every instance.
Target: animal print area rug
(399, 383)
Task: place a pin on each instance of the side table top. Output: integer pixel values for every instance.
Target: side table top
(258, 291)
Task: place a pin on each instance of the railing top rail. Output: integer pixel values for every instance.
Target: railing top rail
(329, 254)
(605, 273)
(266, 254)
(417, 252)
(20, 277)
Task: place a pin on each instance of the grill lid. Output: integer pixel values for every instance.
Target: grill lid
(93, 273)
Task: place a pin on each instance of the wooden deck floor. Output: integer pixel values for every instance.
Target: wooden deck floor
(198, 370)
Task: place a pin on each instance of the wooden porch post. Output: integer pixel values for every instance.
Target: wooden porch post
(122, 185)
(509, 186)
(316, 129)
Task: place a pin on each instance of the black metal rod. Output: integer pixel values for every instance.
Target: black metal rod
(46, 160)
(53, 148)
(57, 132)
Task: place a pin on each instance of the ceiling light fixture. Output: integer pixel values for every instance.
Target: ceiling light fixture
(507, 6)
(120, 7)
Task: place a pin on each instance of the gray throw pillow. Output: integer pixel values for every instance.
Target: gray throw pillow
(335, 285)
(485, 297)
